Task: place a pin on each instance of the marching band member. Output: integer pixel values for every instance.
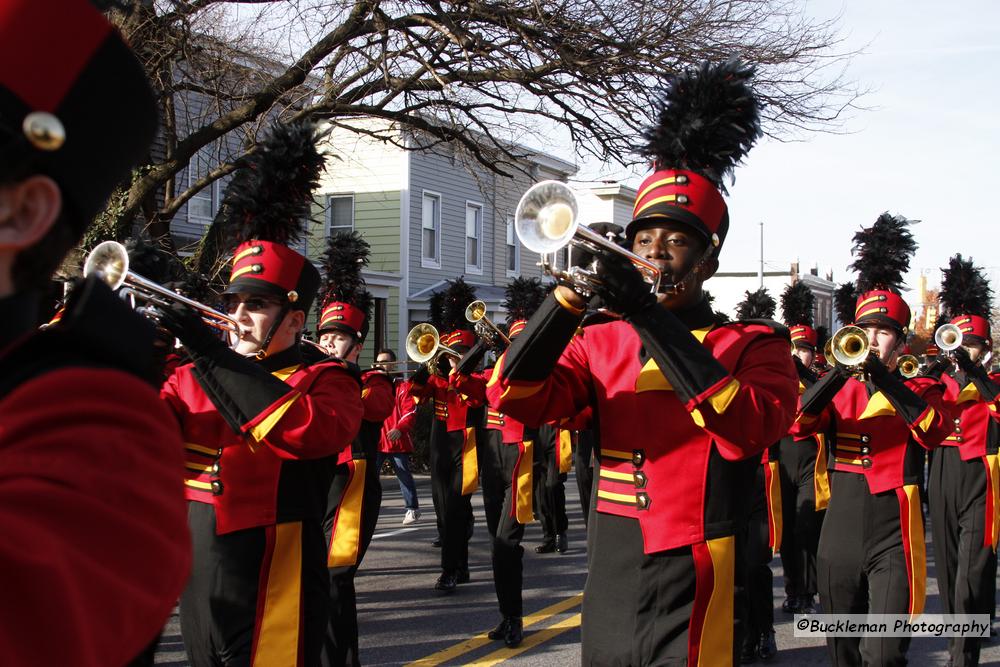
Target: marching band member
(802, 466)
(356, 493)
(962, 485)
(871, 555)
(261, 430)
(684, 407)
(454, 466)
(91, 501)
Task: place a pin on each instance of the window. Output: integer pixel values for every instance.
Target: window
(513, 258)
(430, 233)
(339, 214)
(473, 238)
(203, 205)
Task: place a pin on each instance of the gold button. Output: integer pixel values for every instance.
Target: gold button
(640, 479)
(215, 468)
(216, 488)
(642, 501)
(44, 131)
(866, 463)
(638, 456)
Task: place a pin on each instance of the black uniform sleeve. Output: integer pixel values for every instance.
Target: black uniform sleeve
(977, 374)
(470, 360)
(818, 396)
(532, 356)
(238, 387)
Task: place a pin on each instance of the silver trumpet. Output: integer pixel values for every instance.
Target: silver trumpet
(475, 313)
(948, 337)
(109, 261)
(547, 220)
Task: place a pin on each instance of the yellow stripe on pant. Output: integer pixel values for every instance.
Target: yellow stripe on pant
(346, 540)
(565, 450)
(470, 464)
(993, 488)
(915, 547)
(775, 519)
(522, 477)
(717, 631)
(821, 477)
(277, 641)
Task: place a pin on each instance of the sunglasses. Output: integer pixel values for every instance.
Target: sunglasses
(252, 304)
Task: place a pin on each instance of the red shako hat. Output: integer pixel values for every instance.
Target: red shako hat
(883, 253)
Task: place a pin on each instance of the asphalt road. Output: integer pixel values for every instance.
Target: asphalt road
(404, 621)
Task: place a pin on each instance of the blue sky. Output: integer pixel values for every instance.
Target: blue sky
(928, 148)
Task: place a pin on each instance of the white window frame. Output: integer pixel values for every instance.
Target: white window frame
(516, 246)
(429, 262)
(477, 268)
(328, 213)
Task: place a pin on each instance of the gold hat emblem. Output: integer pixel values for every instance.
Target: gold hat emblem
(44, 131)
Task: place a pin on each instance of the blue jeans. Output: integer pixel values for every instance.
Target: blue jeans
(401, 464)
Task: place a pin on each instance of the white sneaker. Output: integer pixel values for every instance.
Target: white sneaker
(412, 516)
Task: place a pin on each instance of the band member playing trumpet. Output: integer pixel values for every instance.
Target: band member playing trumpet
(660, 585)
(963, 482)
(871, 555)
(261, 429)
(454, 465)
(805, 487)
(356, 494)
(94, 549)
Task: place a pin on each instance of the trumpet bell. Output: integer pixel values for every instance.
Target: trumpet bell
(908, 366)
(850, 346)
(948, 337)
(423, 343)
(547, 217)
(475, 311)
(109, 260)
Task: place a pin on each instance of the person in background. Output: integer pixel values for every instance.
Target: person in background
(395, 442)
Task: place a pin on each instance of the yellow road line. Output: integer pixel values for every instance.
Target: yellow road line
(531, 641)
(482, 640)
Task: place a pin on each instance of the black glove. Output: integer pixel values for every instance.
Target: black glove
(937, 367)
(187, 325)
(622, 288)
(818, 396)
(908, 405)
(421, 375)
(977, 375)
(470, 360)
(583, 258)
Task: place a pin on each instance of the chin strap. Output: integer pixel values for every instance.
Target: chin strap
(266, 343)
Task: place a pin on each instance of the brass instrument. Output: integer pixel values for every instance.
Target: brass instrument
(828, 350)
(948, 337)
(423, 345)
(475, 313)
(908, 366)
(396, 367)
(547, 220)
(109, 260)
(850, 346)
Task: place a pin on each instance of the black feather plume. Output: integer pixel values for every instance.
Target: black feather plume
(844, 299)
(270, 195)
(756, 305)
(457, 298)
(964, 289)
(798, 304)
(346, 256)
(883, 253)
(522, 298)
(822, 335)
(435, 310)
(708, 119)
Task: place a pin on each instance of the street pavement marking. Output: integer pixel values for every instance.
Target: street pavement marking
(482, 640)
(394, 532)
(531, 641)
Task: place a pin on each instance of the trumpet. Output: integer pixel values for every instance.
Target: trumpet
(547, 220)
(850, 346)
(828, 350)
(948, 337)
(396, 367)
(109, 260)
(423, 344)
(475, 313)
(908, 366)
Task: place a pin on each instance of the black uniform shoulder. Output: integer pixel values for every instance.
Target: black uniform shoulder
(348, 367)
(97, 330)
(763, 326)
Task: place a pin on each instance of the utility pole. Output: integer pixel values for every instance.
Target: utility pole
(760, 271)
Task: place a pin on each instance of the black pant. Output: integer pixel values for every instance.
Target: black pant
(638, 609)
(549, 483)
(491, 476)
(966, 568)
(755, 606)
(584, 470)
(454, 511)
(340, 645)
(508, 553)
(219, 606)
(862, 567)
(801, 523)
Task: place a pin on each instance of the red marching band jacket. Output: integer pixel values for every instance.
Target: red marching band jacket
(871, 439)
(403, 417)
(657, 455)
(377, 402)
(972, 419)
(450, 404)
(239, 473)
